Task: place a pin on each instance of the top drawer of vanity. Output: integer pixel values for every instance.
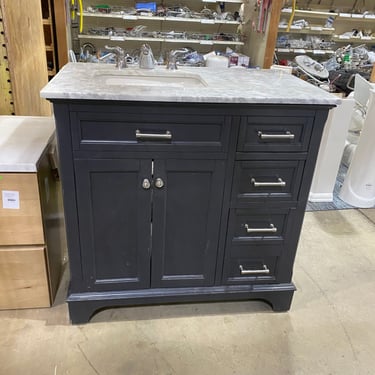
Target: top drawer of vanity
(266, 133)
(125, 131)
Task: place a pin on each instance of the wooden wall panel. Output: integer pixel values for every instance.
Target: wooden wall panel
(61, 32)
(6, 98)
(24, 40)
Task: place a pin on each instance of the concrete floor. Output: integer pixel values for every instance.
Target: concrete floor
(330, 328)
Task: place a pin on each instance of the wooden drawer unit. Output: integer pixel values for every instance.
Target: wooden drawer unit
(134, 131)
(259, 226)
(24, 278)
(31, 217)
(266, 180)
(275, 134)
(23, 225)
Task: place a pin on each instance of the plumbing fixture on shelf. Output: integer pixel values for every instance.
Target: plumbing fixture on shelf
(120, 56)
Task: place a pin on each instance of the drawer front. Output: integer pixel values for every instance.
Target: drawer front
(20, 210)
(23, 278)
(145, 132)
(242, 270)
(267, 180)
(256, 226)
(275, 134)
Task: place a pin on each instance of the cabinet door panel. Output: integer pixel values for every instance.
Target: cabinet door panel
(114, 219)
(186, 220)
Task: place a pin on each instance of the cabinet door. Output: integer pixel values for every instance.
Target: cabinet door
(186, 219)
(114, 218)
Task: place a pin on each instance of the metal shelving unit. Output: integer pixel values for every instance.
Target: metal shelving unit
(207, 32)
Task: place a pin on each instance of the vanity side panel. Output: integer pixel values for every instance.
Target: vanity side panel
(64, 142)
(287, 260)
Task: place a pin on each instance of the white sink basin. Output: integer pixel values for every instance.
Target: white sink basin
(151, 78)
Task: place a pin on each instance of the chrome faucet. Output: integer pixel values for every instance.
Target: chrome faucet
(120, 56)
(172, 58)
(146, 58)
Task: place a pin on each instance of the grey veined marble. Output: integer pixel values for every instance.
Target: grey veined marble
(204, 85)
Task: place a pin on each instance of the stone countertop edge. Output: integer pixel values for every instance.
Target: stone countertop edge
(23, 140)
(227, 85)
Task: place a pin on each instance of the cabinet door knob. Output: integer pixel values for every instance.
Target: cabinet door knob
(159, 183)
(146, 184)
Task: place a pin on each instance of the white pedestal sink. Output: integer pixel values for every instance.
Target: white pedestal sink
(359, 184)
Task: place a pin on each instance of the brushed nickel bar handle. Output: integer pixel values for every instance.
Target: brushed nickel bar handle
(271, 229)
(153, 137)
(254, 272)
(287, 135)
(279, 183)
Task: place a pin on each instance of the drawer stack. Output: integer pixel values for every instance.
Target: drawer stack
(31, 219)
(267, 203)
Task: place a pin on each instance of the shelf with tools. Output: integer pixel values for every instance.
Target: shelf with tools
(128, 24)
(160, 39)
(130, 17)
(321, 31)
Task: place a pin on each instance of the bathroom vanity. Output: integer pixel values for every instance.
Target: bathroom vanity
(183, 186)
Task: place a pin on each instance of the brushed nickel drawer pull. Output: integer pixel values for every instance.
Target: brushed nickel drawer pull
(153, 137)
(254, 272)
(279, 183)
(287, 135)
(271, 229)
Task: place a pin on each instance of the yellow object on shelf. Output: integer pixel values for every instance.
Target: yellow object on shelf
(291, 16)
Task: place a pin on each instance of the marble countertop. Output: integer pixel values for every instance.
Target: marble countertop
(226, 85)
(23, 140)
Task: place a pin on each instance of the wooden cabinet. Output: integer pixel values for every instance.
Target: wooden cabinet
(203, 206)
(31, 220)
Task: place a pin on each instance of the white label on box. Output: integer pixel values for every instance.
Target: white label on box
(11, 199)
(206, 42)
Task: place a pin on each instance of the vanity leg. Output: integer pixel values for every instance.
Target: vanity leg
(81, 312)
(281, 301)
